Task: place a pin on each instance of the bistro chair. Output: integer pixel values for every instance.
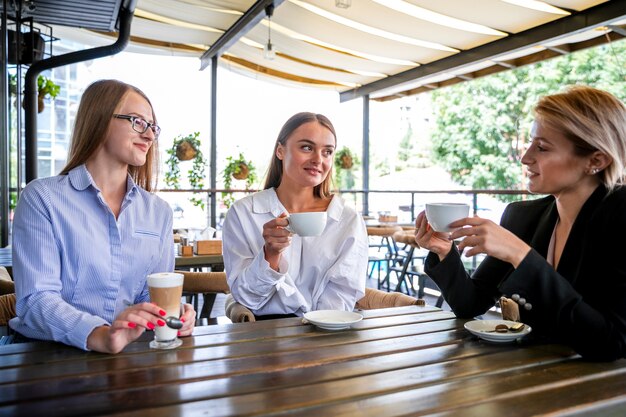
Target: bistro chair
(6, 282)
(209, 284)
(408, 269)
(381, 238)
(373, 299)
(7, 297)
(237, 313)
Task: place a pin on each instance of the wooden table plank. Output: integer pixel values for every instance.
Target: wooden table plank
(426, 389)
(326, 348)
(262, 337)
(354, 380)
(410, 360)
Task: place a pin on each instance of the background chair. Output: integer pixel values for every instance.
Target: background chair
(207, 284)
(373, 299)
(412, 265)
(237, 313)
(381, 239)
(7, 304)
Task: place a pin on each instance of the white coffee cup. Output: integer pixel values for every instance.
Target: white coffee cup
(166, 290)
(440, 215)
(308, 223)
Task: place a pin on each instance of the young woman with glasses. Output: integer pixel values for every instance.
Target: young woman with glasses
(85, 240)
(276, 273)
(561, 257)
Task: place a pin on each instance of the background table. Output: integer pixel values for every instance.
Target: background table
(400, 361)
(215, 262)
(195, 261)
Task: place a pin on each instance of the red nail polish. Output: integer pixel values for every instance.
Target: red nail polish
(161, 312)
(178, 333)
(161, 323)
(182, 319)
(132, 325)
(150, 326)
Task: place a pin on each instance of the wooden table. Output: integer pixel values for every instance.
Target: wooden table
(195, 261)
(400, 361)
(215, 262)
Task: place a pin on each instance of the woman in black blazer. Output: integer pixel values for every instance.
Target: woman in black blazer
(562, 257)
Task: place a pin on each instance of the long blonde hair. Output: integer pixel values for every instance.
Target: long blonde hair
(275, 171)
(95, 112)
(593, 120)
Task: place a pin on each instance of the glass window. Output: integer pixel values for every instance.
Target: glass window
(44, 168)
(61, 119)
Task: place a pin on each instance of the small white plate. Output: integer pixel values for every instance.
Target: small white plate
(485, 330)
(333, 319)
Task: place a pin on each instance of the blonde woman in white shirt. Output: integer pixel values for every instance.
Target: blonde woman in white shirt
(275, 273)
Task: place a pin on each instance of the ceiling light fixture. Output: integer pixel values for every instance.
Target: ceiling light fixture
(268, 50)
(343, 4)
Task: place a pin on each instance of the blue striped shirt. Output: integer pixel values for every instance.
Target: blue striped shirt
(75, 266)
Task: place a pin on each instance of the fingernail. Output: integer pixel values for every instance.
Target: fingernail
(150, 326)
(182, 319)
(161, 312)
(132, 325)
(161, 323)
(178, 333)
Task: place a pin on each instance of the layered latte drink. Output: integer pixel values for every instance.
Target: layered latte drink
(166, 290)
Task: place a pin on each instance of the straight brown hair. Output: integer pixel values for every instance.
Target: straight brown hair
(97, 105)
(275, 171)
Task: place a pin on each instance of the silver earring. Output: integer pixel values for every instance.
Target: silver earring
(594, 171)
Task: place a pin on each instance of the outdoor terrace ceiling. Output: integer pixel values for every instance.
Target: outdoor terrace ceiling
(383, 48)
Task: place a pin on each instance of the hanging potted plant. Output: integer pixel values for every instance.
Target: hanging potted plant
(238, 169)
(345, 161)
(186, 148)
(46, 88)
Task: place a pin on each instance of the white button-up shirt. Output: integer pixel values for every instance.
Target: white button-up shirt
(316, 272)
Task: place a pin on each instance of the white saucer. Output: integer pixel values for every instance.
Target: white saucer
(484, 330)
(333, 319)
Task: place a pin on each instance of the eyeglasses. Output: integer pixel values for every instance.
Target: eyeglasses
(140, 125)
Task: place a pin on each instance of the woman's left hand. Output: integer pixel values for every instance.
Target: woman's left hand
(189, 320)
(484, 236)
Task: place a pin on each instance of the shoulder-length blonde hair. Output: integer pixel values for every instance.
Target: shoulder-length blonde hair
(275, 171)
(95, 112)
(593, 120)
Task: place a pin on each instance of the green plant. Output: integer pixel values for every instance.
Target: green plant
(12, 200)
(13, 84)
(47, 87)
(345, 161)
(240, 169)
(196, 174)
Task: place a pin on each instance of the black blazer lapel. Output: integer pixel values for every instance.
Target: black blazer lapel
(541, 239)
(569, 264)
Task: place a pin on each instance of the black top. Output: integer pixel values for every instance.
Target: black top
(582, 303)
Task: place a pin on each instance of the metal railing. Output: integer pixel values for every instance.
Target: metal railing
(414, 199)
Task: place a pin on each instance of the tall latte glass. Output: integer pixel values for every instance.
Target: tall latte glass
(166, 290)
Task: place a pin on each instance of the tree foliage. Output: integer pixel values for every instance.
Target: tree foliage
(482, 125)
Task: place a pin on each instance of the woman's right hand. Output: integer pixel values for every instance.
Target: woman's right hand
(126, 328)
(277, 239)
(427, 238)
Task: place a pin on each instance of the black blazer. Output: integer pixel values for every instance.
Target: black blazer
(582, 303)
